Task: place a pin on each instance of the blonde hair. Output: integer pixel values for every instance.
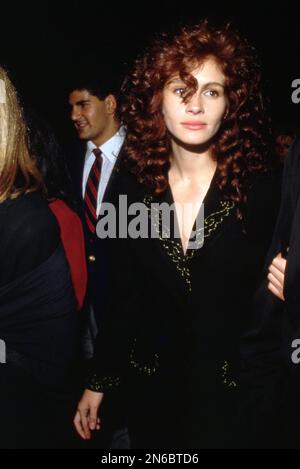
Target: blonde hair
(14, 154)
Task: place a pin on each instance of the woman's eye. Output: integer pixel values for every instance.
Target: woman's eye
(179, 91)
(212, 93)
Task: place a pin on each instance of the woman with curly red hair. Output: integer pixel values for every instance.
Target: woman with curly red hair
(178, 300)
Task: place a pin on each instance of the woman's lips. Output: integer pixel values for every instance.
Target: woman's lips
(193, 125)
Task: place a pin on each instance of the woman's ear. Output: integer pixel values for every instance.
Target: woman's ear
(110, 104)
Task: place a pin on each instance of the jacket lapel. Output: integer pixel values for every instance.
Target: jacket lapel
(217, 211)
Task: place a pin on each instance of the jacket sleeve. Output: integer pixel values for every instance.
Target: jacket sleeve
(119, 320)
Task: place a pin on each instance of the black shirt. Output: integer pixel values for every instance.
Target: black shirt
(29, 234)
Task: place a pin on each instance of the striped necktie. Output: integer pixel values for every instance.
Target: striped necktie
(91, 191)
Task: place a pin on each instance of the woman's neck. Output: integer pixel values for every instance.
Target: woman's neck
(190, 165)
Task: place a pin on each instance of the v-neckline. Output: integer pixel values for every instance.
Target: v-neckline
(207, 202)
(217, 210)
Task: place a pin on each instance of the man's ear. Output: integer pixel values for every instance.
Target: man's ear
(110, 104)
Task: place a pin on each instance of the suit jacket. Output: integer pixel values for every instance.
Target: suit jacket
(270, 376)
(96, 253)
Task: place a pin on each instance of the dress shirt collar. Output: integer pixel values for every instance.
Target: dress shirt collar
(111, 148)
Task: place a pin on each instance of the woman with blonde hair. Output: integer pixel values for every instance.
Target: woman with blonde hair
(38, 324)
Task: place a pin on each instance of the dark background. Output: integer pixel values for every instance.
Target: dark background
(43, 43)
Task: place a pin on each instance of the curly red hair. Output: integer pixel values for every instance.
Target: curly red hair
(241, 146)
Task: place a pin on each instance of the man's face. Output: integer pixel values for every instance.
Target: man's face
(90, 115)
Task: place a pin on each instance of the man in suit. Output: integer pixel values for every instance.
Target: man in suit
(271, 349)
(94, 165)
(93, 106)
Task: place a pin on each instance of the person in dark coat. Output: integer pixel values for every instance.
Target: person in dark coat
(180, 287)
(271, 347)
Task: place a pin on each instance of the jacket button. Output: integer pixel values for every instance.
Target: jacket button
(92, 258)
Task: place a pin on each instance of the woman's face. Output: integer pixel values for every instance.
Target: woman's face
(198, 120)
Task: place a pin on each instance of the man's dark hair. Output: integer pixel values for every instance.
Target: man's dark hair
(100, 84)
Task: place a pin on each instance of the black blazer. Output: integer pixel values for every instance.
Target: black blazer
(75, 162)
(270, 376)
(96, 253)
(172, 325)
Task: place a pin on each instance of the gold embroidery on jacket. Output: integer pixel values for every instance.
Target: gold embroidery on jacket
(230, 383)
(173, 248)
(147, 369)
(102, 384)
